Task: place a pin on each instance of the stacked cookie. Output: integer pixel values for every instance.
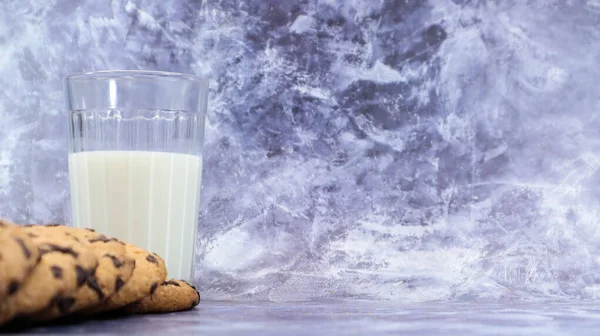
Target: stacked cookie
(53, 271)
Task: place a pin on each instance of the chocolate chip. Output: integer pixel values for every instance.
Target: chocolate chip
(100, 238)
(119, 283)
(194, 304)
(64, 304)
(151, 259)
(29, 225)
(13, 287)
(21, 243)
(72, 237)
(115, 260)
(92, 283)
(53, 225)
(55, 248)
(170, 282)
(57, 272)
(32, 235)
(91, 230)
(82, 275)
(189, 284)
(117, 241)
(153, 288)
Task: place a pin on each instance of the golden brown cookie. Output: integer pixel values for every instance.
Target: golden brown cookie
(149, 272)
(114, 269)
(6, 223)
(170, 296)
(18, 256)
(65, 265)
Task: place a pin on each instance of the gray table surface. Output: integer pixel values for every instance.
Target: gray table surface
(356, 318)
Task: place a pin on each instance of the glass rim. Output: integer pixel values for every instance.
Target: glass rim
(133, 75)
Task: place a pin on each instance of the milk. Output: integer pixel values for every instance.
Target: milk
(147, 198)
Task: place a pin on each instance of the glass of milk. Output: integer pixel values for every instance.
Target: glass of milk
(135, 159)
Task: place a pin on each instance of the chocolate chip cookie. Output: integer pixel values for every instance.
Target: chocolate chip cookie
(114, 269)
(18, 256)
(150, 271)
(65, 265)
(170, 296)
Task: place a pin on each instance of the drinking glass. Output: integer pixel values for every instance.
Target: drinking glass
(135, 159)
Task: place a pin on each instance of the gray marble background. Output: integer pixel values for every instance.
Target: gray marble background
(374, 149)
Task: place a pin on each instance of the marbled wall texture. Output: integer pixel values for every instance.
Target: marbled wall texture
(375, 149)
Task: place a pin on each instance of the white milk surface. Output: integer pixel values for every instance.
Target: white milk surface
(149, 199)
